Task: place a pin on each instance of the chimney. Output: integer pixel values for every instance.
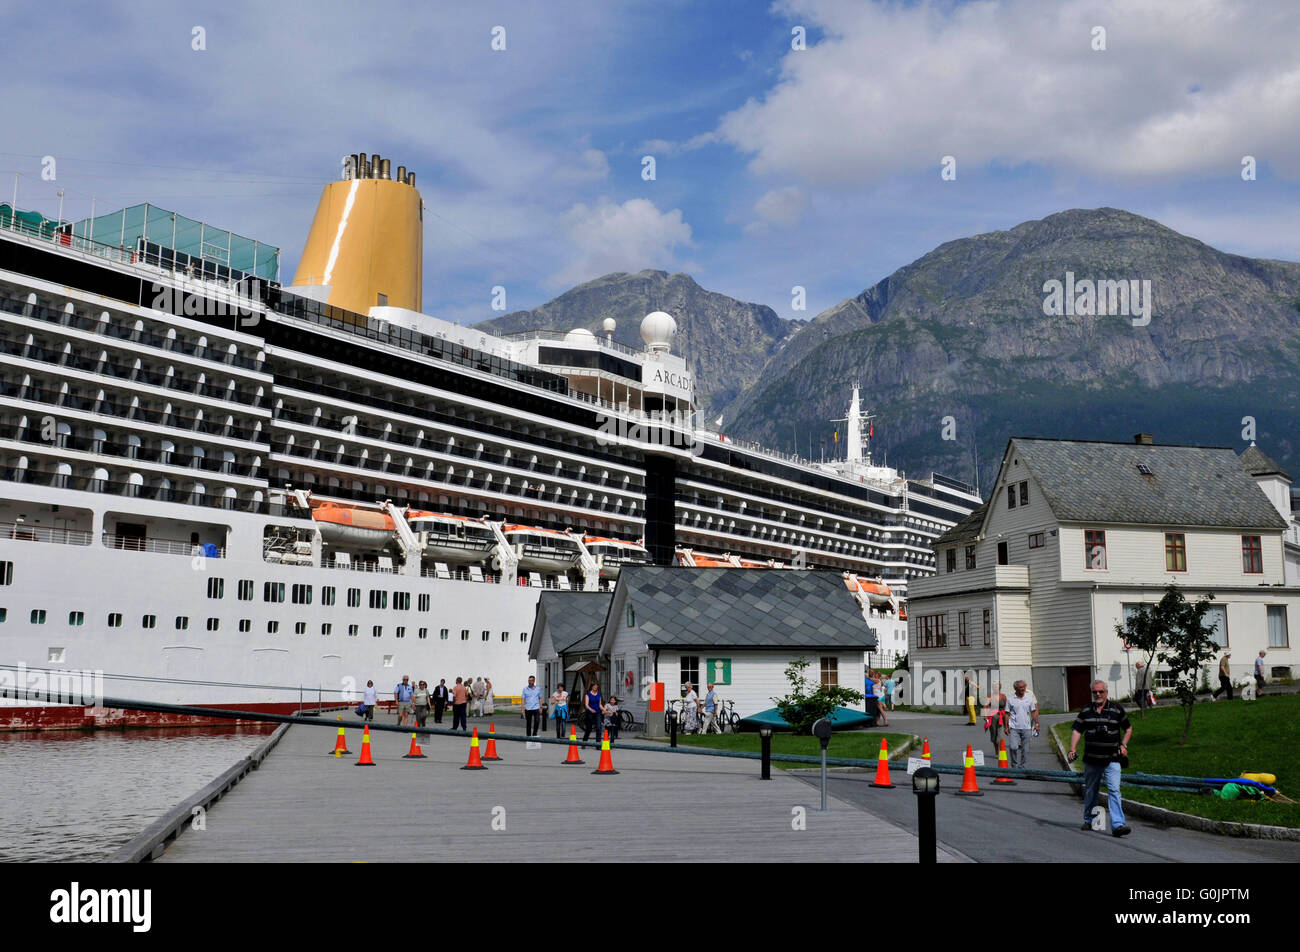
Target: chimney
(1143, 439)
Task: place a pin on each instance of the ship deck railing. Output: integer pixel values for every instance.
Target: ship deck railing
(562, 336)
(22, 532)
(161, 546)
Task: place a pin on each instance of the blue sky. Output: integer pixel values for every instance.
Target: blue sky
(775, 167)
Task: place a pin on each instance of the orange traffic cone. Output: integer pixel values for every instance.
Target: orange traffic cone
(925, 749)
(1003, 764)
(573, 757)
(365, 760)
(491, 752)
(474, 762)
(969, 788)
(415, 750)
(882, 766)
(340, 745)
(606, 765)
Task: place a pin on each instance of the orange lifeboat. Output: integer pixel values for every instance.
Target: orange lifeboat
(342, 524)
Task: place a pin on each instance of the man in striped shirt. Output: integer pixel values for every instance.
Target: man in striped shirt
(1101, 723)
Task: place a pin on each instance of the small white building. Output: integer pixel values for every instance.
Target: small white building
(739, 628)
(1074, 535)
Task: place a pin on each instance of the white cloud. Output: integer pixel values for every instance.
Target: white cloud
(1183, 87)
(782, 206)
(628, 237)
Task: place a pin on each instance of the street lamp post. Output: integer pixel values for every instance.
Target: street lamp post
(925, 785)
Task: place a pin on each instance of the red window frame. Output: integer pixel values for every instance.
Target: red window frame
(1252, 555)
(1175, 552)
(1094, 539)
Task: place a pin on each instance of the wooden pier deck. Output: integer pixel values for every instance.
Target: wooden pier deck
(306, 806)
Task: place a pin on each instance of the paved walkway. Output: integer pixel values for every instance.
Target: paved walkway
(305, 806)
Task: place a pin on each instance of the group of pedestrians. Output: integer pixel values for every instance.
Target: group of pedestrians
(881, 687)
(415, 701)
(597, 712)
(702, 715)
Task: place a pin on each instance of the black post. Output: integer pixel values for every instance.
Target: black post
(766, 737)
(925, 828)
(925, 785)
(672, 729)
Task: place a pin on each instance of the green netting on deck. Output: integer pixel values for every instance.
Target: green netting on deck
(168, 229)
(33, 223)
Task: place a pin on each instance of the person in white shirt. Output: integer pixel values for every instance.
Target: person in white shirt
(560, 710)
(1022, 724)
(370, 700)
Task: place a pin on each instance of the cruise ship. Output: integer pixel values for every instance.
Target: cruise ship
(222, 490)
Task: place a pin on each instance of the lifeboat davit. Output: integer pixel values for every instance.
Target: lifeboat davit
(355, 526)
(613, 554)
(541, 550)
(454, 539)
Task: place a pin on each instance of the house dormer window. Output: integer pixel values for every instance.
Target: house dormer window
(1024, 492)
(1094, 549)
(952, 560)
(970, 556)
(1011, 496)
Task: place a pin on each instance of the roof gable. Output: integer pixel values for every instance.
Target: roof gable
(570, 617)
(741, 608)
(1181, 485)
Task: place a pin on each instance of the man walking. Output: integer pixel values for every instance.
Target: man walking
(459, 702)
(402, 695)
(1142, 686)
(1101, 724)
(1259, 674)
(1225, 677)
(440, 698)
(1022, 723)
(711, 710)
(532, 707)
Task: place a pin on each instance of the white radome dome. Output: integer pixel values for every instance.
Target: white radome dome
(579, 335)
(658, 329)
(609, 324)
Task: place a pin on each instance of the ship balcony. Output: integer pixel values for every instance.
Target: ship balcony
(132, 543)
(130, 330)
(98, 480)
(23, 532)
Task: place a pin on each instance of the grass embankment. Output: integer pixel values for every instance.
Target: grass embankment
(1227, 739)
(861, 745)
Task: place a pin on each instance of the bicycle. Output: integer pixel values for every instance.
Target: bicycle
(725, 717)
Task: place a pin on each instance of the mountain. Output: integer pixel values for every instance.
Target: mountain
(726, 342)
(965, 347)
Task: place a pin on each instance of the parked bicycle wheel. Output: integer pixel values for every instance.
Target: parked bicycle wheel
(625, 721)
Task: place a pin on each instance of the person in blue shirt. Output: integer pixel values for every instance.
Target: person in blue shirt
(532, 696)
(402, 695)
(591, 710)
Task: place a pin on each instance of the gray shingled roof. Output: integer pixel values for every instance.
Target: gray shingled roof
(967, 529)
(744, 608)
(1258, 463)
(572, 616)
(1188, 485)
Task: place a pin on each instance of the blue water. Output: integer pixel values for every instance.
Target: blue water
(80, 795)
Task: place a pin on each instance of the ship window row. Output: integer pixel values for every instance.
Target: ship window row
(48, 431)
(800, 520)
(873, 541)
(437, 348)
(469, 477)
(449, 445)
(62, 475)
(148, 332)
(829, 553)
(357, 391)
(182, 622)
(140, 410)
(130, 374)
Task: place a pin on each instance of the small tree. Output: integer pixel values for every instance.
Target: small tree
(1143, 632)
(1176, 631)
(803, 706)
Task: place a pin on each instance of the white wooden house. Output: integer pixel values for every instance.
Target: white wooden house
(1032, 584)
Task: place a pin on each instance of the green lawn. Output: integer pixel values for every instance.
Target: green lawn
(864, 745)
(1227, 739)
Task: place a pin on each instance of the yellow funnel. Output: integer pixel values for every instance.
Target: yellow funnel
(367, 239)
